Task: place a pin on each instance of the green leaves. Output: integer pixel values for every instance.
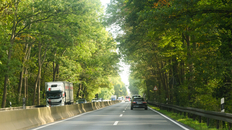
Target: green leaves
(66, 37)
(180, 46)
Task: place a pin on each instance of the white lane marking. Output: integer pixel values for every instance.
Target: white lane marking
(123, 111)
(121, 115)
(116, 123)
(169, 119)
(68, 118)
(127, 106)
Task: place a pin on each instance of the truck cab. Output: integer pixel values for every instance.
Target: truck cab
(58, 93)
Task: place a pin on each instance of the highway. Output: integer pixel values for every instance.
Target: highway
(116, 117)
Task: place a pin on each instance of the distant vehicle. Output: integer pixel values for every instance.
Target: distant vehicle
(113, 98)
(138, 102)
(120, 98)
(58, 93)
(127, 98)
(95, 100)
(99, 100)
(105, 100)
(135, 96)
(80, 101)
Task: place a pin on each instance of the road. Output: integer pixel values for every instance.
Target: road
(116, 117)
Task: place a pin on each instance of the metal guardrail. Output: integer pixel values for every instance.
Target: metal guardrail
(219, 116)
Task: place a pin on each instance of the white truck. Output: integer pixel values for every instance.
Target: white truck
(58, 93)
(113, 97)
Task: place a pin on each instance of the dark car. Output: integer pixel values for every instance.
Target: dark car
(80, 101)
(138, 102)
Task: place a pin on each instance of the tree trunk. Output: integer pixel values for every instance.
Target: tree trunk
(9, 55)
(25, 84)
(40, 63)
(79, 90)
(164, 77)
(35, 88)
(39, 78)
(20, 84)
(55, 71)
(190, 67)
(83, 92)
(26, 52)
(26, 75)
(171, 76)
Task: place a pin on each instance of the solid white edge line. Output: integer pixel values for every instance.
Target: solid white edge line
(169, 119)
(116, 123)
(49, 124)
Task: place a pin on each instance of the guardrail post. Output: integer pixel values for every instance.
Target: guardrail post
(223, 124)
(229, 125)
(207, 121)
(217, 124)
(199, 120)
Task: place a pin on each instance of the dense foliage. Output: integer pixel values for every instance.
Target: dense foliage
(54, 40)
(183, 47)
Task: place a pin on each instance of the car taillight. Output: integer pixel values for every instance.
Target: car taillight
(134, 102)
(144, 102)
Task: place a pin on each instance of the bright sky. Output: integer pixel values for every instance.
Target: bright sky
(125, 72)
(105, 2)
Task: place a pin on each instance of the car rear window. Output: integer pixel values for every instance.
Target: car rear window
(138, 99)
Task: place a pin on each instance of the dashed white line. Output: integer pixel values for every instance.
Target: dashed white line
(121, 115)
(123, 111)
(116, 123)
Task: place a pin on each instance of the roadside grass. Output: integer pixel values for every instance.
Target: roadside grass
(185, 120)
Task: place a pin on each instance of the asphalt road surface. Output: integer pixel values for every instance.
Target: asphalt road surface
(116, 117)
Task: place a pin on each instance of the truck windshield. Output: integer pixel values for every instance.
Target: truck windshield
(54, 95)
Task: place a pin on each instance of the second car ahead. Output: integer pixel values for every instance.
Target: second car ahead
(138, 102)
(80, 101)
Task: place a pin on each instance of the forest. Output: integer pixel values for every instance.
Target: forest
(56, 40)
(183, 47)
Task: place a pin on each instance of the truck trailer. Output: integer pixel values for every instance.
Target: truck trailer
(58, 93)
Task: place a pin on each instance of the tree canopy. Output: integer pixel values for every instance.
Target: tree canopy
(182, 47)
(50, 40)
